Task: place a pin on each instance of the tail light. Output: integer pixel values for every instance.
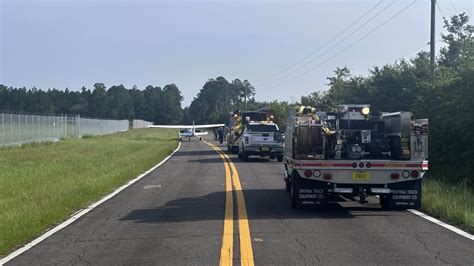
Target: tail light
(361, 165)
(368, 165)
(414, 174)
(327, 176)
(308, 173)
(395, 176)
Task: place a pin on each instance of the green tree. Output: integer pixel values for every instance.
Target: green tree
(120, 103)
(99, 102)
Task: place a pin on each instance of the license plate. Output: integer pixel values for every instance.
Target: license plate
(264, 148)
(360, 176)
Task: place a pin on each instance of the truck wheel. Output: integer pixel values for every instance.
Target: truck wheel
(294, 192)
(272, 156)
(384, 202)
(245, 156)
(279, 158)
(234, 150)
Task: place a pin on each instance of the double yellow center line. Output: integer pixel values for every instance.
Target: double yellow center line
(233, 184)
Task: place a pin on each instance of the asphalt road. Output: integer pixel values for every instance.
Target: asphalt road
(175, 215)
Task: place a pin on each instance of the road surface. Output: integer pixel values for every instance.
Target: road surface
(178, 215)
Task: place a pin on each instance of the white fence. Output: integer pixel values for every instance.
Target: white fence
(20, 129)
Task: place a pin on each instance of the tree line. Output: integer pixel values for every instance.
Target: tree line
(160, 105)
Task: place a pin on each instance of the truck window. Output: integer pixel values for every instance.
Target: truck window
(262, 128)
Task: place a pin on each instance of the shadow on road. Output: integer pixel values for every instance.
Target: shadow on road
(195, 153)
(261, 204)
(254, 160)
(207, 160)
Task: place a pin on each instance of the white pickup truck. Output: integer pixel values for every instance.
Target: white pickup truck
(262, 139)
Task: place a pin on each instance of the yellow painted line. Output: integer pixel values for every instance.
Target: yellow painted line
(227, 248)
(246, 252)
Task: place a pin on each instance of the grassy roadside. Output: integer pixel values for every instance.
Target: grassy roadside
(42, 184)
(453, 203)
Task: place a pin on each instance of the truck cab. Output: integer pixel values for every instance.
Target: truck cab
(261, 139)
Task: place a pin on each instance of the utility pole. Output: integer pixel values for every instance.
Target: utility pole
(246, 98)
(432, 38)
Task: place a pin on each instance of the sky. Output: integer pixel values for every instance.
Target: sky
(286, 49)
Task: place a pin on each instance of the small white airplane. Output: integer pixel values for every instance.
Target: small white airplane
(188, 131)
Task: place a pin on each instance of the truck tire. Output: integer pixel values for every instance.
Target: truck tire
(234, 150)
(294, 192)
(245, 156)
(272, 156)
(385, 202)
(279, 158)
(287, 182)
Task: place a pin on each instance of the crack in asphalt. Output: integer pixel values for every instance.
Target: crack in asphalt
(436, 253)
(306, 248)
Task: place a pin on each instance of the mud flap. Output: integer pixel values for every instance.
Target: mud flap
(405, 195)
(312, 193)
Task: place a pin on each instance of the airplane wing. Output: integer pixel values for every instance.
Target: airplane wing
(187, 126)
(172, 126)
(209, 126)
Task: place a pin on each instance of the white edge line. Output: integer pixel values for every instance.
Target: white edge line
(80, 213)
(440, 223)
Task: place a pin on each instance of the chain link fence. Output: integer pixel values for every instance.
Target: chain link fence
(18, 129)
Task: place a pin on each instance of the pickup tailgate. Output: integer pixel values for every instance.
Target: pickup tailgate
(261, 137)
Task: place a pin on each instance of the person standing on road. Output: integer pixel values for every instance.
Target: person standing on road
(215, 134)
(220, 132)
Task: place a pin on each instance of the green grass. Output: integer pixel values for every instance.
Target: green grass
(450, 202)
(42, 184)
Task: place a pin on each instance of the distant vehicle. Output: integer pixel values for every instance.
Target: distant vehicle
(237, 122)
(353, 153)
(254, 133)
(189, 131)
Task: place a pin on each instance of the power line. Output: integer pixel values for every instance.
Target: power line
(440, 11)
(325, 44)
(454, 7)
(415, 50)
(348, 47)
(332, 47)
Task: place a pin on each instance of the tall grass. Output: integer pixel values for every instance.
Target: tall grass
(43, 183)
(452, 202)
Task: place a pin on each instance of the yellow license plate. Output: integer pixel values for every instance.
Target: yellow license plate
(360, 176)
(264, 148)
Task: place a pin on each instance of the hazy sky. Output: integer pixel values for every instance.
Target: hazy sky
(59, 44)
